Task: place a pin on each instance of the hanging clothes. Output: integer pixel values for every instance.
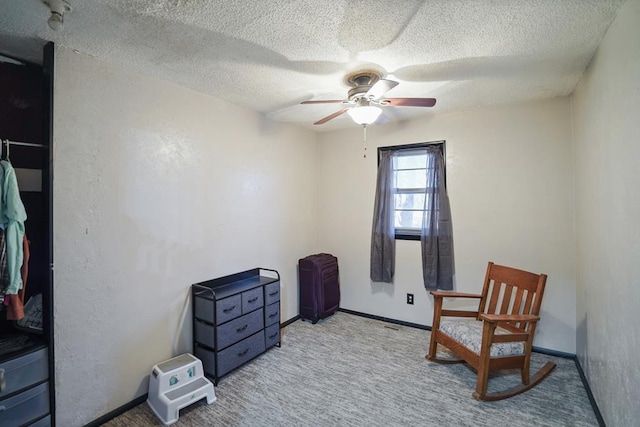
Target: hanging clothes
(4, 272)
(12, 218)
(15, 306)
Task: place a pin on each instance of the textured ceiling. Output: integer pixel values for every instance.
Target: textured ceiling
(269, 55)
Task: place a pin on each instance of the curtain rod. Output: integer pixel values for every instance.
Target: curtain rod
(24, 144)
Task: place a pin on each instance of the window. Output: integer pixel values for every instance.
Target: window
(411, 203)
(410, 168)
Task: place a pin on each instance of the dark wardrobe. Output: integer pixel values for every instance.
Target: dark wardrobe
(26, 346)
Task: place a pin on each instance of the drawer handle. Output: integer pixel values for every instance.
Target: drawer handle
(242, 329)
(242, 353)
(273, 336)
(226, 310)
(272, 294)
(3, 383)
(273, 315)
(251, 301)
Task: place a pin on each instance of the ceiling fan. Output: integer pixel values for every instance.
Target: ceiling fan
(366, 96)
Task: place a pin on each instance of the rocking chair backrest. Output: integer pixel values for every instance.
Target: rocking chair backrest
(511, 291)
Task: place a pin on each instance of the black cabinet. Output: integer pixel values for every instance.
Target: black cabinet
(235, 319)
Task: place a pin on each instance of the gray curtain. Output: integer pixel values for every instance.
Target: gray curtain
(383, 242)
(437, 236)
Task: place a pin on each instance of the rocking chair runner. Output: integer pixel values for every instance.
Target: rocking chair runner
(501, 334)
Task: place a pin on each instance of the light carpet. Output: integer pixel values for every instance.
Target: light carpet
(348, 370)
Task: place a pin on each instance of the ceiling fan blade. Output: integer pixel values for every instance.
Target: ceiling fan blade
(409, 102)
(380, 88)
(330, 117)
(325, 101)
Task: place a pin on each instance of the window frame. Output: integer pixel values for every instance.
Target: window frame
(400, 234)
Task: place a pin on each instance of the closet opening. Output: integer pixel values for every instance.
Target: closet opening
(26, 239)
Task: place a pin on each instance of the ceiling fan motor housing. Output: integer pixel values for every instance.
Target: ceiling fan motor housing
(362, 78)
(360, 82)
(359, 92)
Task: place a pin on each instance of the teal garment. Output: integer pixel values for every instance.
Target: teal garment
(12, 218)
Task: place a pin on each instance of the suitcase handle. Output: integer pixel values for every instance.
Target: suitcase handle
(226, 310)
(242, 353)
(252, 300)
(242, 329)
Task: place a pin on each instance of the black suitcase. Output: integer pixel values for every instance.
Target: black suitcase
(319, 286)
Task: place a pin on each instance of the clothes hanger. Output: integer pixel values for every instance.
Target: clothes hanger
(5, 152)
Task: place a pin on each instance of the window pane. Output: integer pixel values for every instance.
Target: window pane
(408, 219)
(409, 201)
(411, 179)
(411, 162)
(412, 175)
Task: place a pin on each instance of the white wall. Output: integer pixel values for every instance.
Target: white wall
(606, 109)
(509, 177)
(157, 187)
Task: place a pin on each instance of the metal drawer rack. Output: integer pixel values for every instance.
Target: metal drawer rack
(236, 318)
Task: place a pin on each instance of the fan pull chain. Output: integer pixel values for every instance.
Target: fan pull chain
(364, 140)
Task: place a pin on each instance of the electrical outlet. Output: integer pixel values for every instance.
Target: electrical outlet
(410, 299)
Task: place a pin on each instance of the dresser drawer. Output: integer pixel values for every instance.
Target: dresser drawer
(252, 300)
(239, 353)
(239, 328)
(25, 407)
(272, 314)
(272, 293)
(272, 335)
(24, 371)
(226, 308)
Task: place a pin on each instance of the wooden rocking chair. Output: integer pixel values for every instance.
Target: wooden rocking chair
(500, 335)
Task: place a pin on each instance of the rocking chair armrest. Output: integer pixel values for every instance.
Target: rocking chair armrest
(449, 294)
(495, 318)
(459, 313)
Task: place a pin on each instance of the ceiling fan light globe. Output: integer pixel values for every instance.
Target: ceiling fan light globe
(364, 115)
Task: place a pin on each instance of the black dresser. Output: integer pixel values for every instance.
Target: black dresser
(235, 319)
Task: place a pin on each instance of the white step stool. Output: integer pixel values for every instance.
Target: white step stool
(175, 384)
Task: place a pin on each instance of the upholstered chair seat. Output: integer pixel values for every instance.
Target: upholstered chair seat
(469, 333)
